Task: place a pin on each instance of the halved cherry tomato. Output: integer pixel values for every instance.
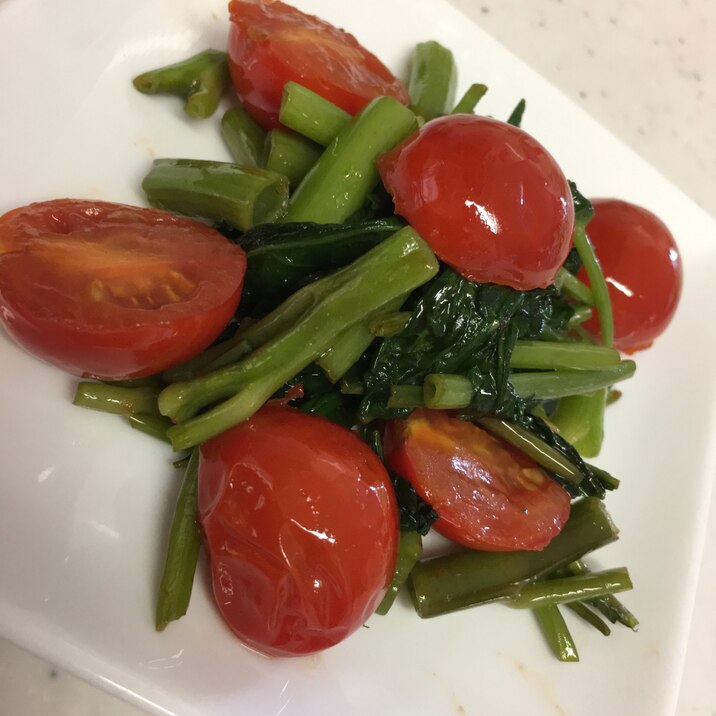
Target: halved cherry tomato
(488, 495)
(642, 267)
(301, 525)
(112, 291)
(271, 43)
(488, 198)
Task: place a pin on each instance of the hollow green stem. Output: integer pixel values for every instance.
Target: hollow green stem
(469, 100)
(597, 282)
(213, 358)
(572, 589)
(579, 419)
(116, 399)
(549, 355)
(571, 286)
(556, 633)
(240, 196)
(543, 454)
(344, 176)
(585, 613)
(405, 396)
(433, 78)
(243, 136)
(310, 114)
(515, 118)
(410, 549)
(351, 345)
(390, 324)
(182, 551)
(331, 305)
(153, 425)
(470, 577)
(290, 154)
(200, 80)
(445, 391)
(547, 385)
(580, 315)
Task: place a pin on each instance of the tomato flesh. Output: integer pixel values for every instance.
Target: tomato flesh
(112, 291)
(642, 266)
(488, 495)
(271, 43)
(301, 526)
(488, 198)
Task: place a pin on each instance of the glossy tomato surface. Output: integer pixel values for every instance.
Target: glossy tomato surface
(488, 198)
(488, 495)
(271, 43)
(643, 270)
(112, 291)
(301, 526)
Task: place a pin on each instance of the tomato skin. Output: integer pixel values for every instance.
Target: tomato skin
(112, 291)
(301, 526)
(488, 495)
(488, 198)
(643, 270)
(271, 43)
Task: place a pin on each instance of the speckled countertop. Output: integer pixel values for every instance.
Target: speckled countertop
(646, 69)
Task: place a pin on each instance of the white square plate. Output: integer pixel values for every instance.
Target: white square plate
(85, 502)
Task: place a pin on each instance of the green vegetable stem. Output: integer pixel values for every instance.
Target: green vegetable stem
(468, 102)
(296, 333)
(182, 551)
(243, 136)
(410, 549)
(433, 78)
(200, 80)
(117, 399)
(290, 154)
(311, 115)
(239, 195)
(341, 180)
(466, 578)
(555, 631)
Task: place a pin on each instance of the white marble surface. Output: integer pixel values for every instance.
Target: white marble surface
(646, 69)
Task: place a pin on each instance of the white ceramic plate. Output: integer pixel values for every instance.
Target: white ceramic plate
(85, 502)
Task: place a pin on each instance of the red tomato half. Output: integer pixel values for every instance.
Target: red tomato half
(301, 525)
(488, 495)
(488, 198)
(271, 43)
(642, 267)
(112, 291)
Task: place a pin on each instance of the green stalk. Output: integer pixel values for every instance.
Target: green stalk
(182, 551)
(152, 425)
(571, 286)
(290, 154)
(351, 345)
(310, 114)
(515, 118)
(240, 196)
(433, 78)
(410, 549)
(212, 358)
(580, 315)
(444, 391)
(547, 355)
(405, 396)
(200, 80)
(243, 136)
(547, 385)
(391, 269)
(543, 454)
(555, 631)
(469, 100)
(470, 577)
(585, 613)
(571, 589)
(115, 398)
(390, 324)
(344, 176)
(352, 386)
(578, 418)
